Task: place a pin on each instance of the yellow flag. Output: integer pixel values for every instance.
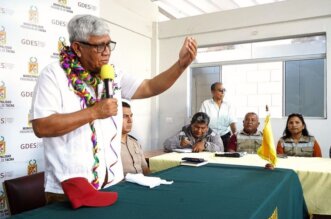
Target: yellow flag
(267, 150)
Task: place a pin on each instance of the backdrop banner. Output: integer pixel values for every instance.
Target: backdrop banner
(31, 35)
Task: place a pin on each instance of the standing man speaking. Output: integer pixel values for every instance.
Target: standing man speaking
(81, 129)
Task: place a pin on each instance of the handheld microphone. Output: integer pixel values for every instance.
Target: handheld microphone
(107, 74)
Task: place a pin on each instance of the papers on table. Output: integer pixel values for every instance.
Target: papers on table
(193, 164)
(182, 150)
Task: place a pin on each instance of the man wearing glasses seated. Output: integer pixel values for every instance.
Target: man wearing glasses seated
(196, 136)
(80, 127)
(222, 120)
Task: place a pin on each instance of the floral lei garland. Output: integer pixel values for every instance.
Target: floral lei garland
(77, 75)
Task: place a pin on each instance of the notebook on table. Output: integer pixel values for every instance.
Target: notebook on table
(193, 161)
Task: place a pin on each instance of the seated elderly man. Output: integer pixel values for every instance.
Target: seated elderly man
(132, 155)
(196, 135)
(249, 139)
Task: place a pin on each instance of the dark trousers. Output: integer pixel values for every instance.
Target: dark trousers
(226, 138)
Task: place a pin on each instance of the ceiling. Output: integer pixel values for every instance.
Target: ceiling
(175, 9)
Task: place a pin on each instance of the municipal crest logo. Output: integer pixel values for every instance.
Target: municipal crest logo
(62, 2)
(29, 120)
(62, 6)
(2, 36)
(61, 43)
(33, 66)
(33, 14)
(2, 200)
(32, 167)
(2, 146)
(2, 91)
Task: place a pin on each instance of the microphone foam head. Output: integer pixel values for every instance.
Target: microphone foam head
(107, 72)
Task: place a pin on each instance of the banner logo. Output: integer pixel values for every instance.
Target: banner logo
(33, 14)
(2, 146)
(3, 41)
(61, 5)
(2, 91)
(33, 145)
(2, 200)
(6, 65)
(61, 43)
(28, 128)
(3, 156)
(4, 212)
(62, 2)
(59, 22)
(6, 11)
(33, 20)
(6, 175)
(3, 102)
(29, 119)
(36, 43)
(32, 167)
(87, 6)
(32, 71)
(6, 120)
(33, 66)
(2, 36)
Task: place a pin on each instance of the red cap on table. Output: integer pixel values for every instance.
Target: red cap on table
(81, 193)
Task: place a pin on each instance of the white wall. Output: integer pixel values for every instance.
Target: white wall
(282, 19)
(252, 86)
(131, 26)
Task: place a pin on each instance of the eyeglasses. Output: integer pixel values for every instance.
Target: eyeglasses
(101, 47)
(221, 90)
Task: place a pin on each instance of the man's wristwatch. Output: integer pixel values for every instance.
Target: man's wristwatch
(205, 144)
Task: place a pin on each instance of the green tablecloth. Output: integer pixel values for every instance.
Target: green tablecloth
(210, 191)
(314, 173)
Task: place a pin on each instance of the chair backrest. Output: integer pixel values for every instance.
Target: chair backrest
(25, 193)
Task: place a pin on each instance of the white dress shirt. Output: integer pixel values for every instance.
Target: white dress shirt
(220, 117)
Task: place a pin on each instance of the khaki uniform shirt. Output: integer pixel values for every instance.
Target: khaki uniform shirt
(133, 158)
